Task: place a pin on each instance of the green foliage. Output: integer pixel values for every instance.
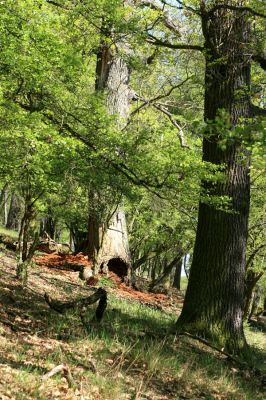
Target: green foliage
(57, 137)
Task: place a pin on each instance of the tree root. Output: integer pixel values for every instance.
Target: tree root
(241, 364)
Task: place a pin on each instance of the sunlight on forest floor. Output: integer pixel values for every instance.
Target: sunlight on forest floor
(129, 355)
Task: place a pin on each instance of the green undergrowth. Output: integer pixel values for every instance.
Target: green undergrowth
(8, 232)
(129, 355)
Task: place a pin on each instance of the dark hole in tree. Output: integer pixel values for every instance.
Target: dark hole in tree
(118, 266)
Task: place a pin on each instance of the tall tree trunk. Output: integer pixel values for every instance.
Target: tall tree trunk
(48, 226)
(177, 276)
(111, 241)
(213, 303)
(168, 269)
(13, 213)
(94, 232)
(251, 281)
(3, 204)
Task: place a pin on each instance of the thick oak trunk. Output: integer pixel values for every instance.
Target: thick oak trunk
(213, 303)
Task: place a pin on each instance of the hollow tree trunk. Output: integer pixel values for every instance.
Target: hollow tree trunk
(213, 303)
(109, 240)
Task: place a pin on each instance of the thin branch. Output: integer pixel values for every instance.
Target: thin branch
(167, 20)
(253, 255)
(118, 166)
(161, 96)
(242, 364)
(164, 110)
(189, 8)
(175, 123)
(257, 226)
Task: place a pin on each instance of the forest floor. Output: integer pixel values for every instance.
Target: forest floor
(129, 355)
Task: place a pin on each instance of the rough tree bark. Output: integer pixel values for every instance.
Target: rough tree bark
(13, 213)
(111, 241)
(213, 303)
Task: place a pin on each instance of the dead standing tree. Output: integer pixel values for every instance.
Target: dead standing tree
(108, 244)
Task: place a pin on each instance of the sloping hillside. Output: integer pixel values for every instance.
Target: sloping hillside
(130, 354)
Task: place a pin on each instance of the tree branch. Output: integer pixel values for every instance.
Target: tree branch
(236, 8)
(60, 368)
(178, 46)
(253, 255)
(164, 110)
(161, 96)
(55, 3)
(120, 167)
(260, 58)
(257, 111)
(174, 122)
(167, 20)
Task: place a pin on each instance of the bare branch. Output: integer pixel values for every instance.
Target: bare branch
(174, 122)
(164, 16)
(257, 225)
(61, 307)
(161, 96)
(164, 110)
(55, 3)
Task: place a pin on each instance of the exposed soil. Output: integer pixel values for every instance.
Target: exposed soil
(69, 263)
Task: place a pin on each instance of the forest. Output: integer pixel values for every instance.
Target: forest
(132, 199)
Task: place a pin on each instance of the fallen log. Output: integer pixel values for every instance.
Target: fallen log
(62, 307)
